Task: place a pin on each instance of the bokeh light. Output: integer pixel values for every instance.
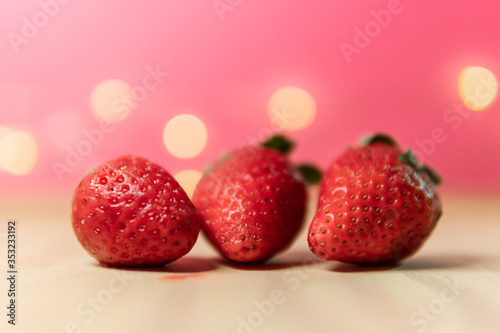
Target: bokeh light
(4, 130)
(18, 152)
(188, 180)
(291, 108)
(477, 87)
(112, 100)
(185, 136)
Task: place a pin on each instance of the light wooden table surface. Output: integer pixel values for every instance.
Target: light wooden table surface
(451, 285)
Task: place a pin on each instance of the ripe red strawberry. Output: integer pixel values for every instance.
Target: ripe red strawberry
(252, 202)
(376, 205)
(131, 212)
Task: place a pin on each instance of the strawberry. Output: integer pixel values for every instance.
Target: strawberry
(376, 205)
(252, 202)
(131, 212)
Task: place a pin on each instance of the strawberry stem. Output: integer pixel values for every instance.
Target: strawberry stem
(433, 175)
(279, 143)
(311, 174)
(379, 137)
(410, 158)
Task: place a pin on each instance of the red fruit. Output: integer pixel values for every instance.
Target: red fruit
(376, 206)
(252, 203)
(131, 212)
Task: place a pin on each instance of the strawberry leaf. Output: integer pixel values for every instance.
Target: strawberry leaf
(279, 143)
(311, 174)
(433, 175)
(379, 137)
(410, 158)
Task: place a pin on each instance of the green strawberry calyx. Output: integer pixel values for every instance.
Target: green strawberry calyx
(311, 174)
(378, 138)
(410, 158)
(407, 157)
(280, 143)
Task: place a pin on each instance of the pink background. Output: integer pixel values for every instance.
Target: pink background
(224, 71)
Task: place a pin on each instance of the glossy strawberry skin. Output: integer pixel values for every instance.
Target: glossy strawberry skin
(252, 204)
(373, 208)
(131, 212)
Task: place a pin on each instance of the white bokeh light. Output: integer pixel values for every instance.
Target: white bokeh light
(291, 108)
(110, 100)
(188, 180)
(185, 136)
(18, 152)
(477, 87)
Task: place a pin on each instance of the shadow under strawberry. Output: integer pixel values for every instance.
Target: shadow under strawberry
(341, 267)
(283, 261)
(183, 265)
(420, 263)
(438, 262)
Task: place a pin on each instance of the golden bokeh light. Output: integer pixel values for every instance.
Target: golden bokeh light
(477, 87)
(291, 108)
(188, 180)
(185, 136)
(4, 130)
(18, 152)
(111, 100)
